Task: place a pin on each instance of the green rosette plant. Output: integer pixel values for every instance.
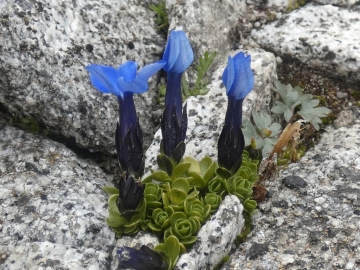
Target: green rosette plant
(249, 168)
(196, 208)
(122, 225)
(212, 199)
(152, 194)
(160, 220)
(183, 228)
(200, 172)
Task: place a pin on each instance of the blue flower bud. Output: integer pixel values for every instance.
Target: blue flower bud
(178, 56)
(238, 79)
(131, 193)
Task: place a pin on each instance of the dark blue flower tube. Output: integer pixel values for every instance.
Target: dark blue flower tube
(178, 56)
(124, 82)
(238, 79)
(143, 259)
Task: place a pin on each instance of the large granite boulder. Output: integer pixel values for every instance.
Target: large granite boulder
(52, 206)
(45, 48)
(312, 218)
(323, 37)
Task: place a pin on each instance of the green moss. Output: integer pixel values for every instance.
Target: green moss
(294, 4)
(222, 262)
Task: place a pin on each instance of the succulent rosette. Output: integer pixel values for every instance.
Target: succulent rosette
(183, 228)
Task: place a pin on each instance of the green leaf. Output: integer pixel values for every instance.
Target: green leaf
(180, 169)
(196, 180)
(195, 167)
(181, 184)
(192, 195)
(165, 163)
(224, 173)
(113, 209)
(311, 113)
(178, 152)
(176, 216)
(111, 190)
(189, 240)
(115, 221)
(177, 196)
(161, 176)
(172, 247)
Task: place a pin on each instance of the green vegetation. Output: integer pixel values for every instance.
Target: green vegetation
(179, 198)
(200, 85)
(291, 105)
(161, 19)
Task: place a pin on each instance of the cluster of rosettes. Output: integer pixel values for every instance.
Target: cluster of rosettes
(175, 201)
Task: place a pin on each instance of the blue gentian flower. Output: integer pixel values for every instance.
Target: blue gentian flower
(178, 56)
(238, 79)
(123, 82)
(143, 259)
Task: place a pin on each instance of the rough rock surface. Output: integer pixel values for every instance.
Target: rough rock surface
(52, 206)
(208, 23)
(323, 37)
(206, 114)
(45, 48)
(215, 238)
(312, 219)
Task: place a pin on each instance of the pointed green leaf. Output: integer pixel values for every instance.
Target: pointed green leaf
(224, 173)
(113, 209)
(165, 163)
(111, 190)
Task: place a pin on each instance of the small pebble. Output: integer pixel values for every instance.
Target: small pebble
(257, 24)
(341, 94)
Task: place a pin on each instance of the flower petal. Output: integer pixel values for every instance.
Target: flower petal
(244, 78)
(149, 70)
(139, 84)
(228, 75)
(238, 77)
(178, 52)
(186, 55)
(172, 51)
(103, 78)
(128, 71)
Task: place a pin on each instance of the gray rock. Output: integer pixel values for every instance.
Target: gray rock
(341, 3)
(316, 225)
(52, 206)
(206, 113)
(46, 47)
(323, 37)
(216, 237)
(344, 119)
(208, 24)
